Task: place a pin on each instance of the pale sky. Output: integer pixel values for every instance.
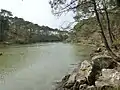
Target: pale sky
(36, 11)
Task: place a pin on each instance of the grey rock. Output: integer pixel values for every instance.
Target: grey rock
(98, 63)
(98, 50)
(91, 88)
(80, 75)
(83, 87)
(110, 77)
(87, 76)
(61, 84)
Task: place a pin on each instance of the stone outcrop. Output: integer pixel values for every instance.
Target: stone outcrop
(110, 77)
(99, 73)
(80, 75)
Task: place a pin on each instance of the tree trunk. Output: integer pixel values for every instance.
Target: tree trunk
(102, 31)
(111, 35)
(108, 25)
(1, 30)
(118, 3)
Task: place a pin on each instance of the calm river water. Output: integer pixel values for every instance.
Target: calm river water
(38, 66)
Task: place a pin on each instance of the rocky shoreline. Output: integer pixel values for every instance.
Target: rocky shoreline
(98, 73)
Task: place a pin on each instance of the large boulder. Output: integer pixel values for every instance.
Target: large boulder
(79, 75)
(84, 72)
(60, 84)
(103, 61)
(99, 62)
(110, 78)
(85, 76)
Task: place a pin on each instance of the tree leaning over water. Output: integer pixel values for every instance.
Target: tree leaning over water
(85, 9)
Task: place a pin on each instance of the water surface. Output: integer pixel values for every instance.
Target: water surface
(37, 66)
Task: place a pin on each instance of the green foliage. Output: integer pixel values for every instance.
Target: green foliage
(5, 13)
(88, 29)
(116, 42)
(4, 23)
(17, 30)
(85, 28)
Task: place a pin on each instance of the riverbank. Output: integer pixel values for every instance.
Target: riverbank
(100, 72)
(6, 44)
